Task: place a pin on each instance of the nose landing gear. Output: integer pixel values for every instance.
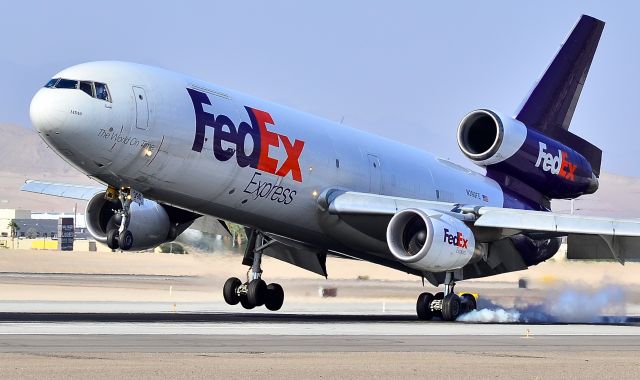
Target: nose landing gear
(446, 305)
(255, 291)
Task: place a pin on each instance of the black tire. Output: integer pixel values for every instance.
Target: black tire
(112, 239)
(275, 297)
(451, 307)
(256, 292)
(423, 306)
(126, 240)
(245, 302)
(230, 291)
(468, 302)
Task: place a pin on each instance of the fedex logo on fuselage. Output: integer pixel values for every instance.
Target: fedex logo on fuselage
(558, 165)
(456, 240)
(224, 130)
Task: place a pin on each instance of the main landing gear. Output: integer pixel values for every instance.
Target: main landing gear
(446, 305)
(255, 291)
(119, 236)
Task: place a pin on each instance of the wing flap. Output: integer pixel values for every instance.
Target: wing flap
(603, 247)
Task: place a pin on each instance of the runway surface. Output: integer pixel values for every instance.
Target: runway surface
(312, 337)
(248, 332)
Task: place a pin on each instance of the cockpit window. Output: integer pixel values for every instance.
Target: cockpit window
(102, 92)
(94, 89)
(67, 83)
(87, 87)
(52, 83)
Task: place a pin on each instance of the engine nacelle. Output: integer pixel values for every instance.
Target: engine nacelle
(487, 138)
(431, 241)
(509, 147)
(150, 224)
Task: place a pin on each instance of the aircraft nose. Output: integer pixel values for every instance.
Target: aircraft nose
(46, 111)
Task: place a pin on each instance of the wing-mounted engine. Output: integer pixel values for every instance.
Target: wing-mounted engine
(431, 241)
(507, 146)
(151, 223)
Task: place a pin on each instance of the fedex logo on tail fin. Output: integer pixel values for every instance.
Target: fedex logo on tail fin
(225, 131)
(456, 240)
(558, 165)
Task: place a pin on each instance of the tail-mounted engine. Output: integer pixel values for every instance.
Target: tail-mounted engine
(430, 241)
(150, 224)
(506, 145)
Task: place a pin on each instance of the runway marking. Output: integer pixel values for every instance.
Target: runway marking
(302, 328)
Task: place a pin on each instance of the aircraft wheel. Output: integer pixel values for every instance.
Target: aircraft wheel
(126, 240)
(274, 297)
(230, 291)
(112, 239)
(468, 302)
(256, 292)
(451, 307)
(423, 306)
(244, 301)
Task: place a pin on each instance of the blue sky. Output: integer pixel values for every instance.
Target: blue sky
(408, 70)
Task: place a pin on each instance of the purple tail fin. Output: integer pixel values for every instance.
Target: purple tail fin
(550, 105)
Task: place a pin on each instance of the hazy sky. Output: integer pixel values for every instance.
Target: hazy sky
(408, 70)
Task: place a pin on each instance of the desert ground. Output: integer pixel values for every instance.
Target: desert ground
(198, 277)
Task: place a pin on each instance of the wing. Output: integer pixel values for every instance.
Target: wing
(587, 237)
(78, 192)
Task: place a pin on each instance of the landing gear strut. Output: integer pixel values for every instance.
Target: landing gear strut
(121, 237)
(447, 305)
(255, 291)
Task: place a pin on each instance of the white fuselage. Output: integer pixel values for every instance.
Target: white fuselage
(144, 138)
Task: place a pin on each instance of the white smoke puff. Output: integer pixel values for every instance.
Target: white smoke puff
(491, 316)
(577, 305)
(571, 304)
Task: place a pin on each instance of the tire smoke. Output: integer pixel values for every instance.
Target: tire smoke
(568, 304)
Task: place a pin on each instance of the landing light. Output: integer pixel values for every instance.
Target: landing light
(315, 194)
(148, 152)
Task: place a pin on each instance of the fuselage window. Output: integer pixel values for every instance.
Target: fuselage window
(102, 92)
(87, 87)
(67, 83)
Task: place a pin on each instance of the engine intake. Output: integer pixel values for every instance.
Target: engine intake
(431, 241)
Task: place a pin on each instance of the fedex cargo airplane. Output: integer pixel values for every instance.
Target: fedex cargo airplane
(168, 148)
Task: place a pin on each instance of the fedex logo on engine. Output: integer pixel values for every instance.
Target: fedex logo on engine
(224, 130)
(558, 165)
(456, 240)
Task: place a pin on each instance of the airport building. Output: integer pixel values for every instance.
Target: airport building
(24, 229)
